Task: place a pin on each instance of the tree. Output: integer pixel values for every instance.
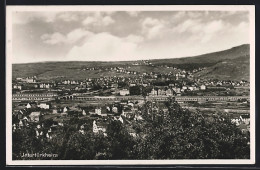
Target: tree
(80, 147)
(192, 135)
(135, 90)
(120, 142)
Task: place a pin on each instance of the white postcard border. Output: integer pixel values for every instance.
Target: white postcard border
(10, 9)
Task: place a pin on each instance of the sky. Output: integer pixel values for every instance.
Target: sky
(124, 35)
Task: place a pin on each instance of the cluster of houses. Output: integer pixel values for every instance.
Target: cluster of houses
(161, 92)
(242, 121)
(123, 112)
(173, 90)
(239, 119)
(27, 118)
(224, 83)
(120, 85)
(27, 79)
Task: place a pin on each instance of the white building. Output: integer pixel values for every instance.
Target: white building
(65, 109)
(98, 111)
(124, 92)
(154, 92)
(84, 113)
(202, 87)
(44, 106)
(98, 128)
(115, 109)
(28, 106)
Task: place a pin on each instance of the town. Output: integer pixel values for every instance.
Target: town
(122, 98)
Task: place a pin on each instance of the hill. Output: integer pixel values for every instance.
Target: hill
(215, 57)
(232, 64)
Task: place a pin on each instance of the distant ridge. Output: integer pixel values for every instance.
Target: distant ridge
(231, 53)
(221, 54)
(230, 64)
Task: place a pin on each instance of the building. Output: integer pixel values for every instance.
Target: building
(35, 116)
(30, 80)
(203, 87)
(169, 92)
(245, 118)
(31, 105)
(65, 109)
(124, 92)
(114, 109)
(154, 92)
(236, 120)
(33, 96)
(99, 127)
(98, 111)
(44, 106)
(161, 92)
(45, 85)
(84, 113)
(17, 86)
(28, 106)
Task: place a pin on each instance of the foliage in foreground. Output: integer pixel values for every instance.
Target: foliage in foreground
(179, 134)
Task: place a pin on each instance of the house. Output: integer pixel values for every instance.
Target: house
(65, 109)
(114, 109)
(124, 92)
(28, 106)
(203, 87)
(245, 118)
(54, 111)
(16, 86)
(98, 111)
(35, 116)
(82, 129)
(84, 113)
(132, 85)
(99, 127)
(44, 106)
(169, 92)
(153, 92)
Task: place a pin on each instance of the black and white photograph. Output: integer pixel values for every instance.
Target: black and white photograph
(100, 85)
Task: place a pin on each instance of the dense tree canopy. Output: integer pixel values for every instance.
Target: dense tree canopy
(177, 134)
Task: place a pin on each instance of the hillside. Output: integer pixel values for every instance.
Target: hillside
(236, 69)
(230, 64)
(229, 54)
